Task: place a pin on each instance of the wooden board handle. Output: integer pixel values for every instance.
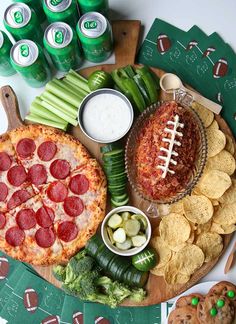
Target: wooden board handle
(10, 105)
(126, 34)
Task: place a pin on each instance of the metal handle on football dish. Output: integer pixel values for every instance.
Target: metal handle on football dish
(150, 209)
(170, 82)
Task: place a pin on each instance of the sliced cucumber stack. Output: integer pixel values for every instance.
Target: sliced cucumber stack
(119, 268)
(114, 167)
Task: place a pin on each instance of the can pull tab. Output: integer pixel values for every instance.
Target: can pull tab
(18, 17)
(59, 37)
(90, 24)
(55, 2)
(24, 50)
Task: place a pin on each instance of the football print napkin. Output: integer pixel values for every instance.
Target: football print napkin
(206, 63)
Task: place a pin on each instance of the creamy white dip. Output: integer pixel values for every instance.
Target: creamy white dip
(106, 117)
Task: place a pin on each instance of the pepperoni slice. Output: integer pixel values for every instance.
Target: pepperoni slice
(79, 184)
(67, 231)
(2, 220)
(3, 191)
(25, 219)
(16, 175)
(5, 161)
(15, 236)
(37, 174)
(45, 216)
(19, 197)
(57, 192)
(47, 151)
(73, 206)
(25, 147)
(60, 169)
(45, 237)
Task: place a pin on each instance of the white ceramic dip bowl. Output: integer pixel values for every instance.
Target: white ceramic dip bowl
(105, 115)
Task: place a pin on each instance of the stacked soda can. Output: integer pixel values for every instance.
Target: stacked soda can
(25, 20)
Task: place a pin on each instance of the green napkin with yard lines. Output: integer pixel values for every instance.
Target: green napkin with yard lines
(25, 297)
(32, 300)
(205, 62)
(97, 313)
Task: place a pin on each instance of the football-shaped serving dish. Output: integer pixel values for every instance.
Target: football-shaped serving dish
(166, 152)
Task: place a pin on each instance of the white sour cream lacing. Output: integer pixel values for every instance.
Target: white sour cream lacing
(170, 151)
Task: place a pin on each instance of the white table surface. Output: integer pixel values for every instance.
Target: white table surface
(209, 15)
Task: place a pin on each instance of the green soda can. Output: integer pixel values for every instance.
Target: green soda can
(61, 10)
(37, 6)
(94, 5)
(61, 42)
(6, 68)
(95, 35)
(23, 23)
(29, 61)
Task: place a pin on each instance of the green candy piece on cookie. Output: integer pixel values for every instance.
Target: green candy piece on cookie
(195, 301)
(213, 312)
(231, 294)
(220, 303)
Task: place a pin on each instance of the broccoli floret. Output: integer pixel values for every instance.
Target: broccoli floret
(80, 255)
(114, 289)
(138, 295)
(70, 275)
(81, 263)
(59, 272)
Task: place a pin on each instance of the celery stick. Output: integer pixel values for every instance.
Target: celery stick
(61, 93)
(56, 107)
(78, 82)
(81, 92)
(77, 75)
(40, 120)
(67, 88)
(39, 110)
(59, 113)
(65, 106)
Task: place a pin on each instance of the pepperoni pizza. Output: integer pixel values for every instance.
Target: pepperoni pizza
(52, 195)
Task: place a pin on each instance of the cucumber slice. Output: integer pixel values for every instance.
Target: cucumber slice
(141, 219)
(132, 227)
(138, 240)
(116, 186)
(119, 235)
(114, 153)
(125, 215)
(110, 234)
(119, 198)
(118, 175)
(145, 260)
(110, 147)
(118, 266)
(124, 246)
(117, 181)
(115, 221)
(105, 257)
(111, 171)
(121, 203)
(93, 244)
(134, 277)
(112, 164)
(117, 192)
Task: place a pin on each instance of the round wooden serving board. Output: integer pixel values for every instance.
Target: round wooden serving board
(126, 35)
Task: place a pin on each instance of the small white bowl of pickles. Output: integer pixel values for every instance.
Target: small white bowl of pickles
(126, 230)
